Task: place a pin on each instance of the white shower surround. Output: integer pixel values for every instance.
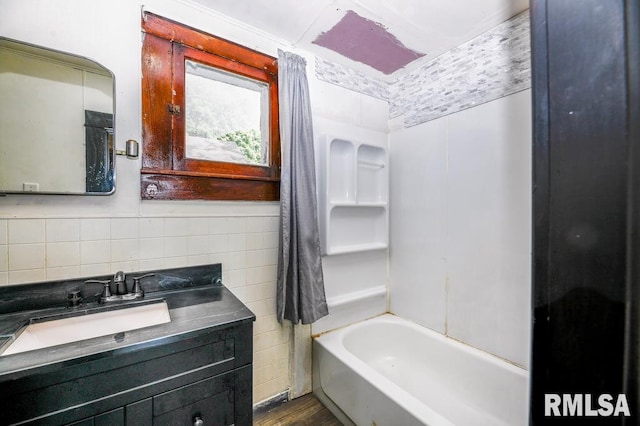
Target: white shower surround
(459, 250)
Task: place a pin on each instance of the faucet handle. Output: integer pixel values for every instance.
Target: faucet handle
(106, 291)
(137, 288)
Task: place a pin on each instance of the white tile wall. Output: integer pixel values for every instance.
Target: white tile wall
(63, 254)
(49, 249)
(4, 253)
(24, 231)
(58, 230)
(95, 229)
(3, 231)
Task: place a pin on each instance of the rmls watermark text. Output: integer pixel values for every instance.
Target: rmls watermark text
(587, 405)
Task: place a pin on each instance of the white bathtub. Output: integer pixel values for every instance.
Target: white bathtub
(389, 371)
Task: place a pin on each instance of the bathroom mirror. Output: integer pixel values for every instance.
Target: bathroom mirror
(56, 122)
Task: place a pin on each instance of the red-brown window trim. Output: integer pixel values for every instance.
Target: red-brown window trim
(166, 173)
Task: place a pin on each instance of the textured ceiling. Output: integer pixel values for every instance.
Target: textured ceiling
(424, 27)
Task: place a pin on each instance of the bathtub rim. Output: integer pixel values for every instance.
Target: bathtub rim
(395, 319)
(332, 342)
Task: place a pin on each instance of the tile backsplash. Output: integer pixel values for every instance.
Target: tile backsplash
(42, 249)
(490, 66)
(48, 249)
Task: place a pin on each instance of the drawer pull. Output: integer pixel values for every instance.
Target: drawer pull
(197, 421)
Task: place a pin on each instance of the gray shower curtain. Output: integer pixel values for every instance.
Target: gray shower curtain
(300, 288)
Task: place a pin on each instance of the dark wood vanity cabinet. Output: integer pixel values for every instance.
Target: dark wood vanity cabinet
(200, 378)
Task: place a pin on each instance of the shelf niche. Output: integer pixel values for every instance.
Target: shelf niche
(353, 185)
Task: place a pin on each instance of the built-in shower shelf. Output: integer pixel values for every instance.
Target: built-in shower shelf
(371, 164)
(359, 204)
(353, 195)
(357, 248)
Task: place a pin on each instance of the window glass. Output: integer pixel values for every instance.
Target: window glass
(227, 116)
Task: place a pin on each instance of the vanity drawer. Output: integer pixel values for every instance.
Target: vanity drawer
(211, 401)
(111, 418)
(221, 400)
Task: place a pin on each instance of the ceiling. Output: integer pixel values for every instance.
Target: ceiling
(426, 27)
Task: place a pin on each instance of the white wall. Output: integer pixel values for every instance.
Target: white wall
(461, 225)
(50, 237)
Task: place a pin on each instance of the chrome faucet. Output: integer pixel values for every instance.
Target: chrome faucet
(122, 293)
(121, 284)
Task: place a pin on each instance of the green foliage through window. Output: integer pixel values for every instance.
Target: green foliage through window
(249, 143)
(223, 117)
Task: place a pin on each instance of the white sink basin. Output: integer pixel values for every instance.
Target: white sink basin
(57, 332)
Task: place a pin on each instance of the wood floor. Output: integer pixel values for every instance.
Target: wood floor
(303, 411)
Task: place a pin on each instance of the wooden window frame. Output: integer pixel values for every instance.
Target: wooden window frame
(166, 172)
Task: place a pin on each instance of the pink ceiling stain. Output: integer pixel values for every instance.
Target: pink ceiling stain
(368, 42)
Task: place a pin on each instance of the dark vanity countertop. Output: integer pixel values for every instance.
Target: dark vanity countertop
(192, 309)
